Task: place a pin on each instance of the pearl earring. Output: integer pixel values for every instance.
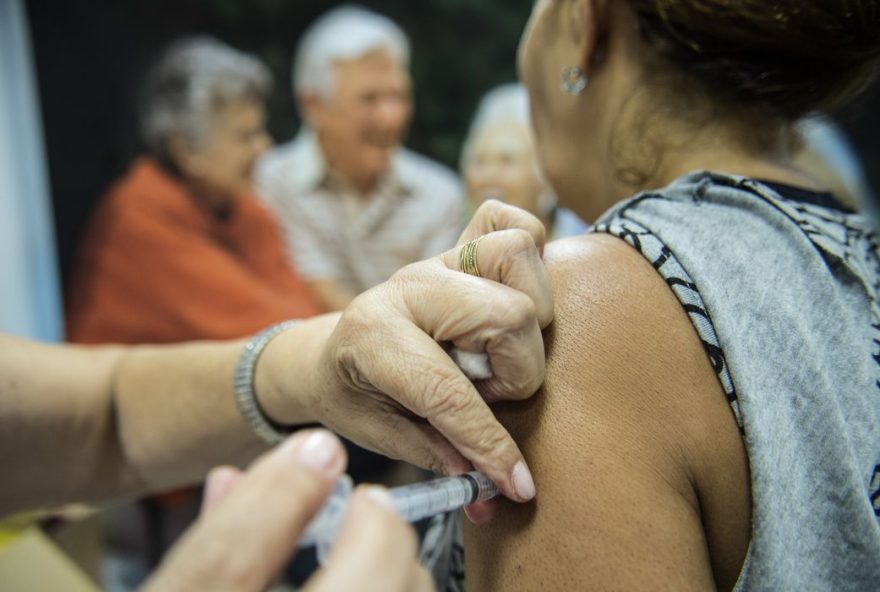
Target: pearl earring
(574, 81)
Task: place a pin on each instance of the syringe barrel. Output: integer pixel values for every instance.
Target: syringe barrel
(413, 502)
(421, 500)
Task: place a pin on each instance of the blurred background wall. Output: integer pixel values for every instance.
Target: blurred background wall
(90, 57)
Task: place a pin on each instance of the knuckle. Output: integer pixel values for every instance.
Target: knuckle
(492, 439)
(516, 312)
(426, 457)
(408, 273)
(447, 395)
(427, 460)
(441, 465)
(524, 384)
(489, 208)
(517, 218)
(353, 324)
(408, 286)
(524, 388)
(507, 390)
(519, 241)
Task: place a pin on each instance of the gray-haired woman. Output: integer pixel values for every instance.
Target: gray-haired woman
(178, 250)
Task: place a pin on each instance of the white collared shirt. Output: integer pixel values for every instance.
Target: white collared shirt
(416, 211)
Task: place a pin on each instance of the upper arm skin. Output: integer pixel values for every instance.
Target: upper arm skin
(641, 472)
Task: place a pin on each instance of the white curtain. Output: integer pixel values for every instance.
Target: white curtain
(30, 298)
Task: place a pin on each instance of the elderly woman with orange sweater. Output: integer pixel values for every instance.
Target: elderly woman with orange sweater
(179, 250)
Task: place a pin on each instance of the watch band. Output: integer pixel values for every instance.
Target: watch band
(245, 395)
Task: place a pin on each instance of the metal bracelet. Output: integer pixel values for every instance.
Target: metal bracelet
(245, 395)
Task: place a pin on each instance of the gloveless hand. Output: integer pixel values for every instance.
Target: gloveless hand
(251, 522)
(388, 382)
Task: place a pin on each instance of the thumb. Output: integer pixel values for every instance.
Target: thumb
(269, 507)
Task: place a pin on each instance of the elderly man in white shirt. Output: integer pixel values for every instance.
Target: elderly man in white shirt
(357, 206)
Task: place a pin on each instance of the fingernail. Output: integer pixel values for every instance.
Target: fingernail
(317, 450)
(523, 483)
(379, 496)
(215, 486)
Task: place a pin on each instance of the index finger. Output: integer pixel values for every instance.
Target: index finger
(440, 393)
(458, 411)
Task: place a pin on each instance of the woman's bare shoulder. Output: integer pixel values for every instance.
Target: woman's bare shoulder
(619, 441)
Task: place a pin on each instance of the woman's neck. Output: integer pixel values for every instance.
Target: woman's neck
(736, 162)
(733, 147)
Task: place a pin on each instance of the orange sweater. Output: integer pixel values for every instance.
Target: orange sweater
(155, 268)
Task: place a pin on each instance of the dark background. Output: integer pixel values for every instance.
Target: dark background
(91, 56)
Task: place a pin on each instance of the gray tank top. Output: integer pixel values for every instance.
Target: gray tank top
(783, 294)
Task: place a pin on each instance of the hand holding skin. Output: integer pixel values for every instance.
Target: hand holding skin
(385, 381)
(251, 522)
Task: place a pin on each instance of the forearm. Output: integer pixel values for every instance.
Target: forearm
(288, 381)
(90, 424)
(57, 424)
(176, 415)
(187, 391)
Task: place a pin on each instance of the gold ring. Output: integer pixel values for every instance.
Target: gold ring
(467, 257)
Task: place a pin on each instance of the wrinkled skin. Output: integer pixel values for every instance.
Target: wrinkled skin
(386, 381)
(386, 365)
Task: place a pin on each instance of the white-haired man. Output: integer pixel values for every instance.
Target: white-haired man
(355, 204)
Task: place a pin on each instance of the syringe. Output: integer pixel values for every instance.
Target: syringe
(413, 502)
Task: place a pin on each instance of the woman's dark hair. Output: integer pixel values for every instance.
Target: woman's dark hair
(781, 58)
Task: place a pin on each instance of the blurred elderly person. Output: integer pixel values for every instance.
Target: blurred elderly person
(355, 204)
(499, 161)
(179, 249)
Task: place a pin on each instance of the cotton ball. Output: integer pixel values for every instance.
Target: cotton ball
(474, 365)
